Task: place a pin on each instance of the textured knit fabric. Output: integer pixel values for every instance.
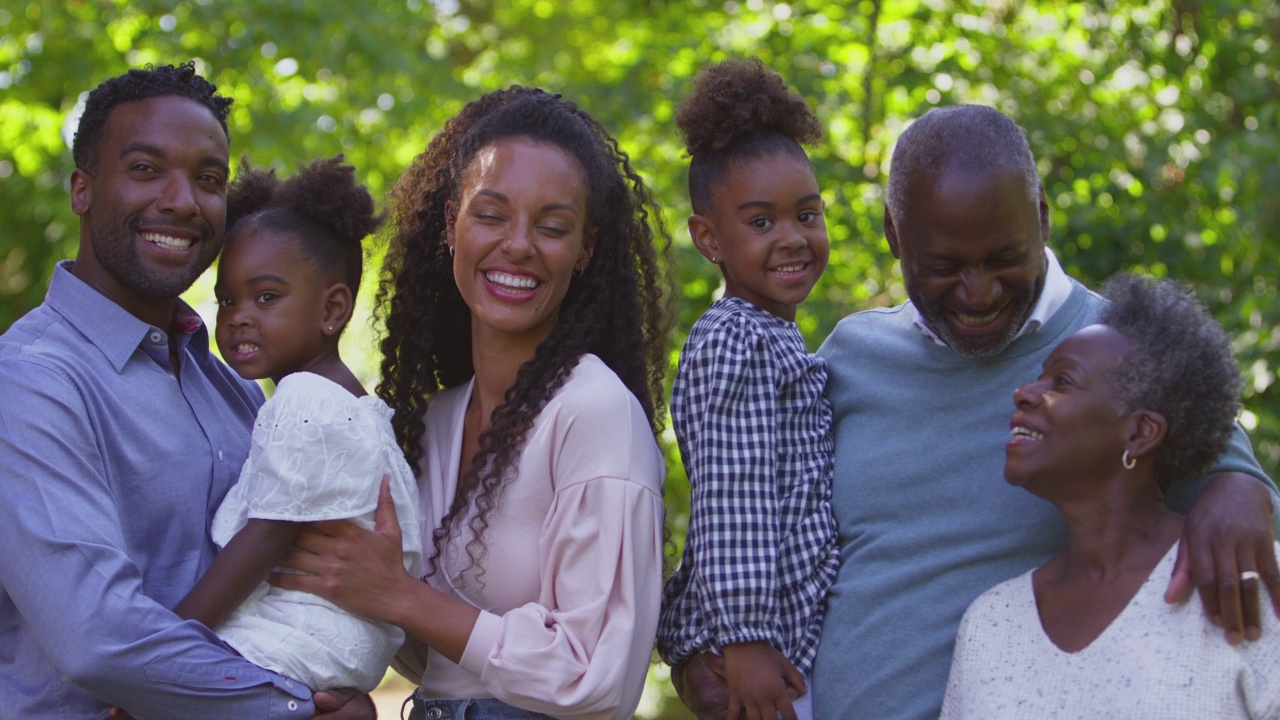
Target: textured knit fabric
(1155, 661)
(110, 470)
(572, 575)
(754, 430)
(318, 453)
(927, 521)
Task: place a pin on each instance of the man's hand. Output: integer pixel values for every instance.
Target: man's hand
(701, 685)
(344, 704)
(1229, 534)
(762, 682)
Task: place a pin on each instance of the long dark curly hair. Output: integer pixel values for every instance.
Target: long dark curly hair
(616, 309)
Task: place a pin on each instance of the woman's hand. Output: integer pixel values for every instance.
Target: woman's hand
(361, 571)
(762, 682)
(1228, 533)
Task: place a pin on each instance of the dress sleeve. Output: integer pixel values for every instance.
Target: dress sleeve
(727, 425)
(311, 457)
(66, 569)
(583, 650)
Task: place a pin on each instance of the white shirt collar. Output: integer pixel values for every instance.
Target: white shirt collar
(1057, 287)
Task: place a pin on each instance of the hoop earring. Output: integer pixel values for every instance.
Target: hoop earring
(1127, 461)
(451, 250)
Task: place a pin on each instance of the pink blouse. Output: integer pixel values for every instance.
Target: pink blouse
(571, 582)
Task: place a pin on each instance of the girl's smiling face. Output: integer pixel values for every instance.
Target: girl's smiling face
(271, 306)
(518, 233)
(767, 232)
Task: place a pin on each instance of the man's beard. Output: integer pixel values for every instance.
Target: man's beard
(1023, 303)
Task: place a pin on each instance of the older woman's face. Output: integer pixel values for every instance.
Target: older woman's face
(1067, 431)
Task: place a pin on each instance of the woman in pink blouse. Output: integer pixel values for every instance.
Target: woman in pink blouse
(526, 336)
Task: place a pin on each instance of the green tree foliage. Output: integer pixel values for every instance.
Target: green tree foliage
(1155, 122)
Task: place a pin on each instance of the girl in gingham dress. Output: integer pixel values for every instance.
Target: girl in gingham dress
(748, 405)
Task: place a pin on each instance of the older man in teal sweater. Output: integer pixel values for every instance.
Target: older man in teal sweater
(922, 395)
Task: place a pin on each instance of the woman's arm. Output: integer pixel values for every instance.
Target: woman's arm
(237, 570)
(362, 571)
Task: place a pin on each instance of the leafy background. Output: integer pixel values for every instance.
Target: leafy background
(1155, 123)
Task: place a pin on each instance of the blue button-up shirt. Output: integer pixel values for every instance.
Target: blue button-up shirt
(111, 467)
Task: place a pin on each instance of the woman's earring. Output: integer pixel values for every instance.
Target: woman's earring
(451, 250)
(1127, 461)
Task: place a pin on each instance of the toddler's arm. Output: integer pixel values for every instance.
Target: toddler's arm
(241, 566)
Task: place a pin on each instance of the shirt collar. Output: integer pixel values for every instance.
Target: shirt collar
(1057, 287)
(116, 332)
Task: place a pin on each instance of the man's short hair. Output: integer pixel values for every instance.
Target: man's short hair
(141, 84)
(965, 138)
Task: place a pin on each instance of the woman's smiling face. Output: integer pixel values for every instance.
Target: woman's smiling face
(1068, 424)
(518, 232)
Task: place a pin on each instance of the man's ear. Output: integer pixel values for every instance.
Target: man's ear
(81, 192)
(338, 305)
(891, 234)
(703, 235)
(1044, 216)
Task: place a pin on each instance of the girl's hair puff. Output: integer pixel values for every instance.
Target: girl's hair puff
(322, 207)
(740, 110)
(616, 309)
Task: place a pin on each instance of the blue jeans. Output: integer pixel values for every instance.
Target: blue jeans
(481, 709)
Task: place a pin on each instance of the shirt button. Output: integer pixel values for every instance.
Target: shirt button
(293, 705)
(219, 456)
(156, 337)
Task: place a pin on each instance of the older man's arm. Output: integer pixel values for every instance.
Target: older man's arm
(1230, 531)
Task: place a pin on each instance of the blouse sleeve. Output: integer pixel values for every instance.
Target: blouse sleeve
(727, 425)
(583, 650)
(311, 458)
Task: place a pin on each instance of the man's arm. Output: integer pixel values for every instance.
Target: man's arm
(1230, 530)
(72, 586)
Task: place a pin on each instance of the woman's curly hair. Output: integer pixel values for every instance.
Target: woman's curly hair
(1180, 365)
(322, 207)
(740, 110)
(616, 309)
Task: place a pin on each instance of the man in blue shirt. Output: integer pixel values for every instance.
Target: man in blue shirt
(120, 433)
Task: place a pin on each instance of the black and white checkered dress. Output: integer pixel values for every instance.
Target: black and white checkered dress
(754, 430)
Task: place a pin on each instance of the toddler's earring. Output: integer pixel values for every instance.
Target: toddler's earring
(1127, 461)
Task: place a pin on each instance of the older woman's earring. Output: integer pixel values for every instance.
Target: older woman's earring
(1127, 461)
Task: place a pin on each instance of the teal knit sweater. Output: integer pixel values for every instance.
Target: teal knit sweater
(927, 521)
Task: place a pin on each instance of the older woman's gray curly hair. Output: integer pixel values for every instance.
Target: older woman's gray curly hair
(1180, 366)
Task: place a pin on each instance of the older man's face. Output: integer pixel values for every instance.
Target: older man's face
(972, 254)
